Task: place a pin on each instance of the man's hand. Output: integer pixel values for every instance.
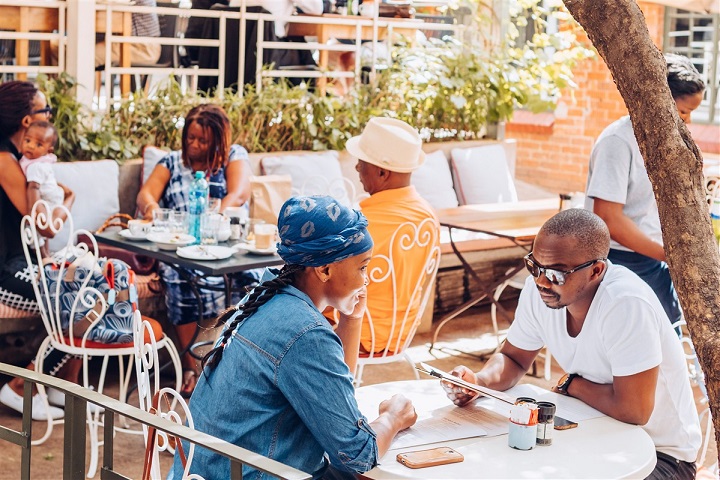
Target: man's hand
(400, 410)
(460, 396)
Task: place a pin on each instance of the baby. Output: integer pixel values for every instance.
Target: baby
(37, 146)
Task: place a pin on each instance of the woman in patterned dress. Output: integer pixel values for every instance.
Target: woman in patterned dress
(206, 147)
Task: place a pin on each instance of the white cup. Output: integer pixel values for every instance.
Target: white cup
(367, 9)
(139, 228)
(265, 234)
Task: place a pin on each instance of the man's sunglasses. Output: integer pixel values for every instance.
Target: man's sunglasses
(556, 277)
(46, 110)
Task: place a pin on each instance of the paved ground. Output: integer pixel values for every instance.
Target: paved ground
(469, 333)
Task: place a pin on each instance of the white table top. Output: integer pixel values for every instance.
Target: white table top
(597, 448)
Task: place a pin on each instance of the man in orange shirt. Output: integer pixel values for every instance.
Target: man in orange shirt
(388, 151)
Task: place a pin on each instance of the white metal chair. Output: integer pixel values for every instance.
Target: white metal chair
(43, 217)
(405, 318)
(147, 369)
(697, 379)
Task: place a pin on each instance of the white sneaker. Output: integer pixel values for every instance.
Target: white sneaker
(55, 397)
(39, 411)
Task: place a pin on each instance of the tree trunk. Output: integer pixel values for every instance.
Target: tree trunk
(618, 30)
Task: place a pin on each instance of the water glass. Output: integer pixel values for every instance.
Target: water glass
(213, 205)
(161, 219)
(209, 227)
(179, 222)
(265, 236)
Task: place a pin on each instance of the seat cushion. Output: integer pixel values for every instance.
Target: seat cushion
(312, 174)
(434, 182)
(156, 328)
(482, 175)
(95, 185)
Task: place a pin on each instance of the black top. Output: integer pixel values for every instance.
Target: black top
(10, 243)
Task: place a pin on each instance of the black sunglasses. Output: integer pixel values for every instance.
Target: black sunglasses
(42, 110)
(556, 277)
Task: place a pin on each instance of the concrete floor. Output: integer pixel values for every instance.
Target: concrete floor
(470, 333)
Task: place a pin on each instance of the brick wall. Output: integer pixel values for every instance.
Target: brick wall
(554, 149)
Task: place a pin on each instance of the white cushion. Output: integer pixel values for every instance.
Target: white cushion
(312, 174)
(481, 175)
(434, 182)
(151, 156)
(95, 185)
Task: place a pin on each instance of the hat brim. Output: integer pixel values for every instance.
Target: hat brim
(353, 148)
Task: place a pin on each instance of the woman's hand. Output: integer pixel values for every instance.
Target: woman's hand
(458, 395)
(400, 410)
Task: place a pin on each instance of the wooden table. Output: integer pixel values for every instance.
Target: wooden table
(325, 31)
(599, 447)
(518, 222)
(46, 20)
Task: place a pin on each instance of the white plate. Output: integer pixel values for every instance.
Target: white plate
(127, 234)
(250, 248)
(205, 252)
(170, 241)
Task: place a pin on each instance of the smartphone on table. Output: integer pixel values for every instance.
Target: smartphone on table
(430, 457)
(564, 424)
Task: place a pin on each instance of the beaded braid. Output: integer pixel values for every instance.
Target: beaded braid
(259, 296)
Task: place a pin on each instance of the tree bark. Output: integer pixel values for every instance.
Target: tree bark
(618, 30)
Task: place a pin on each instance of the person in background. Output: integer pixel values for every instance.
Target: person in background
(607, 330)
(620, 192)
(143, 25)
(276, 383)
(22, 104)
(206, 147)
(388, 150)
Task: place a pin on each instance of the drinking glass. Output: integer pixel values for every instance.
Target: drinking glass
(265, 235)
(161, 219)
(209, 227)
(213, 205)
(179, 222)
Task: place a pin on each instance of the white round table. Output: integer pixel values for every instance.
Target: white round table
(597, 448)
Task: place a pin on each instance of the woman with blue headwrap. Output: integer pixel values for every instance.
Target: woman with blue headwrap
(276, 382)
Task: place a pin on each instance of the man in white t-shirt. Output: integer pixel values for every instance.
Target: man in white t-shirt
(608, 331)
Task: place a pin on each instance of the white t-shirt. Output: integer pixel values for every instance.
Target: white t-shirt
(617, 174)
(42, 173)
(625, 332)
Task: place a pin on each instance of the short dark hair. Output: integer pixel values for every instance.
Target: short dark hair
(683, 78)
(45, 125)
(590, 230)
(16, 98)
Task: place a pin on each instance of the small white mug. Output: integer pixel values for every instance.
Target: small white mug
(139, 228)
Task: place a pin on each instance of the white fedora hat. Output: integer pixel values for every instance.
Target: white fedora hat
(388, 143)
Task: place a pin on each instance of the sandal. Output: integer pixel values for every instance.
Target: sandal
(189, 381)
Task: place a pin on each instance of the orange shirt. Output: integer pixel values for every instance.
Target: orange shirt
(385, 212)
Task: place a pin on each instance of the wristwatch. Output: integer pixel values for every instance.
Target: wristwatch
(564, 382)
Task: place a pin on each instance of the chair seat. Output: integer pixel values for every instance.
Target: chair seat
(156, 328)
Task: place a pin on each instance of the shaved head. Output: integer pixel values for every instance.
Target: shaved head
(593, 236)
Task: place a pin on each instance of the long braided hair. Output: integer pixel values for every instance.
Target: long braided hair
(259, 297)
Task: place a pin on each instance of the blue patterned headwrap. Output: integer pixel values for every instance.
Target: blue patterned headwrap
(317, 230)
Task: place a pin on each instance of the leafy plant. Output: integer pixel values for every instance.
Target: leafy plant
(449, 89)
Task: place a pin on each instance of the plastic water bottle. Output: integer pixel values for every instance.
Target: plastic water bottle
(715, 218)
(199, 191)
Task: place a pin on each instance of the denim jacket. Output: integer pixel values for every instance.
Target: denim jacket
(283, 390)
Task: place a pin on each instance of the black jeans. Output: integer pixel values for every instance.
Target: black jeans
(670, 468)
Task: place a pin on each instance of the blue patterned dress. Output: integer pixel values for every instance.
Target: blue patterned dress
(181, 302)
